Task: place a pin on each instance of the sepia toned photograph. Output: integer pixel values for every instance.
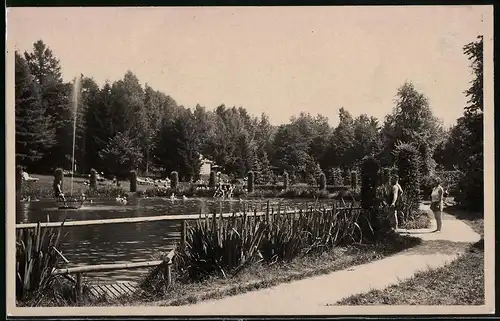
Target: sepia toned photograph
(249, 161)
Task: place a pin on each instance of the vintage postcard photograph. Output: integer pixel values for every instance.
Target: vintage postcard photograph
(249, 161)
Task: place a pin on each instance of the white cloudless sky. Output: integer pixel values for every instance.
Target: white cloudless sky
(274, 60)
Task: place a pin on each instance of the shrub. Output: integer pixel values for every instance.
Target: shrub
(386, 175)
(347, 177)
(408, 164)
(336, 176)
(450, 180)
(133, 181)
(174, 180)
(370, 202)
(426, 186)
(250, 182)
(427, 162)
(93, 179)
(369, 182)
(322, 182)
(212, 181)
(19, 178)
(311, 180)
(354, 180)
(107, 191)
(286, 180)
(470, 188)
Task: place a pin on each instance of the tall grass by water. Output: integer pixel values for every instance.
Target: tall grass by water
(223, 247)
(36, 257)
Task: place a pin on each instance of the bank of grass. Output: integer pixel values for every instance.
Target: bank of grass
(43, 189)
(260, 276)
(254, 277)
(460, 282)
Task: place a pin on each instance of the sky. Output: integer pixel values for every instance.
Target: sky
(274, 60)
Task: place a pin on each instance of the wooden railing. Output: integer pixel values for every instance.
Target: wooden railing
(183, 217)
(78, 271)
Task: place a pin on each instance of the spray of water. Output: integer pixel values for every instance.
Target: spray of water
(76, 94)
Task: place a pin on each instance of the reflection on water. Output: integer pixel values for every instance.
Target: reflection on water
(128, 242)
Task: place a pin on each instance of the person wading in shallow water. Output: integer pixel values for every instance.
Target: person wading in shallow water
(437, 196)
(395, 200)
(58, 194)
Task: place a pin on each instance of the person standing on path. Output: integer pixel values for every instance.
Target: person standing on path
(396, 194)
(437, 196)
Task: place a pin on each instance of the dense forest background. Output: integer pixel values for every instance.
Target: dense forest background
(123, 126)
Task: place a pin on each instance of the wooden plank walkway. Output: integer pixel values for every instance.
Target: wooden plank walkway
(114, 290)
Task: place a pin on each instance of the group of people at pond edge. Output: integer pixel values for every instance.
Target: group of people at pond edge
(224, 191)
(394, 195)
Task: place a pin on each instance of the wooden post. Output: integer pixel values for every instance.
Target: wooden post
(78, 289)
(267, 212)
(183, 233)
(167, 265)
(214, 227)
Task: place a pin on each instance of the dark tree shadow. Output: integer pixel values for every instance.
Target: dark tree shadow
(463, 214)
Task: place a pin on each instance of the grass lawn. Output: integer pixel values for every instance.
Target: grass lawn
(460, 282)
(43, 188)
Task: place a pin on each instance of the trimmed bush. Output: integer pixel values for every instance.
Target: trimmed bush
(93, 179)
(408, 164)
(347, 177)
(212, 181)
(19, 179)
(174, 180)
(369, 181)
(354, 180)
(250, 181)
(427, 162)
(133, 181)
(322, 182)
(286, 180)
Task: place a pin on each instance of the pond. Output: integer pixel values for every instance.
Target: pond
(128, 242)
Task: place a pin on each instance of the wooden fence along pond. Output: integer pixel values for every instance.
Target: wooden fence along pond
(119, 289)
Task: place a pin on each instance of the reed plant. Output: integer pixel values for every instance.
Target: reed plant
(217, 246)
(36, 257)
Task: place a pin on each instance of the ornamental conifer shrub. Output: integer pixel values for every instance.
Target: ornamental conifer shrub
(408, 165)
(174, 180)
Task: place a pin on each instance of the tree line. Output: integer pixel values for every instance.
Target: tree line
(125, 126)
